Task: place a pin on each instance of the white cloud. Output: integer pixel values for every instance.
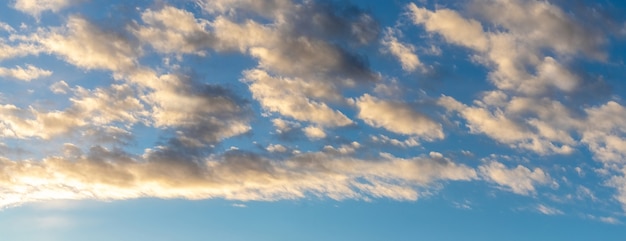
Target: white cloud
(520, 179)
(111, 175)
(267, 8)
(60, 87)
(99, 107)
(239, 205)
(6, 27)
(20, 49)
(172, 30)
(389, 88)
(282, 48)
(604, 132)
(548, 210)
(542, 126)
(84, 45)
(397, 117)
(292, 98)
(284, 126)
(409, 142)
(36, 7)
(452, 26)
(314, 132)
(514, 53)
(26, 74)
(344, 149)
(276, 148)
(117, 103)
(619, 182)
(543, 24)
(405, 53)
(609, 220)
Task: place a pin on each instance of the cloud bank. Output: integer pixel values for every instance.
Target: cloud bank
(312, 112)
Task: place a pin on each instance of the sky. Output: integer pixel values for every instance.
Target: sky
(312, 120)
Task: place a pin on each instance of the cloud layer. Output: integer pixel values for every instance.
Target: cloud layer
(139, 110)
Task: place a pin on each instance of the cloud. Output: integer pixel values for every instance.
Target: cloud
(345, 149)
(291, 55)
(397, 117)
(291, 97)
(201, 114)
(276, 148)
(452, 26)
(20, 49)
(284, 126)
(310, 78)
(109, 174)
(60, 87)
(101, 106)
(609, 220)
(307, 66)
(618, 182)
(239, 205)
(36, 7)
(284, 49)
(542, 126)
(172, 30)
(405, 53)
(314, 132)
(520, 179)
(544, 25)
(409, 142)
(515, 53)
(85, 45)
(325, 19)
(6, 27)
(266, 8)
(26, 74)
(548, 210)
(605, 132)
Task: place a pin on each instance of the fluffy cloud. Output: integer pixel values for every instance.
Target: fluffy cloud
(515, 53)
(98, 107)
(605, 132)
(397, 117)
(520, 179)
(36, 7)
(543, 24)
(284, 126)
(20, 49)
(291, 97)
(542, 126)
(110, 175)
(314, 132)
(452, 26)
(405, 53)
(172, 30)
(26, 74)
(202, 113)
(618, 181)
(276, 148)
(283, 48)
(83, 44)
(288, 54)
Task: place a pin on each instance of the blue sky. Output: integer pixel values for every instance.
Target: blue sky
(312, 120)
